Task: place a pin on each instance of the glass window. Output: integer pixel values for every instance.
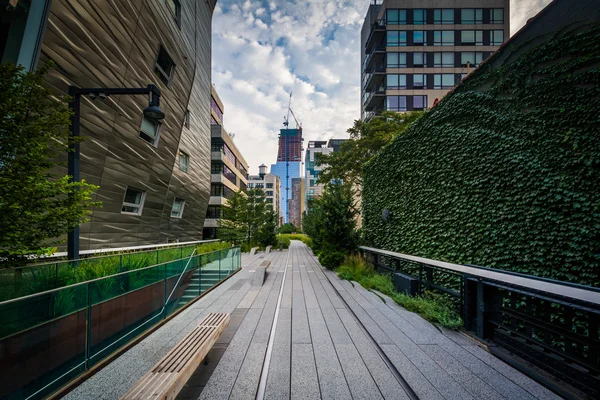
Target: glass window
(269, 193)
(216, 168)
(269, 186)
(216, 189)
(228, 173)
(443, 16)
(420, 16)
(420, 38)
(443, 38)
(164, 66)
(133, 201)
(395, 81)
(150, 130)
(396, 60)
(496, 37)
(184, 161)
(186, 119)
(445, 59)
(475, 58)
(175, 8)
(471, 37)
(419, 59)
(443, 81)
(419, 81)
(396, 103)
(396, 38)
(396, 17)
(269, 200)
(419, 103)
(496, 16)
(471, 16)
(177, 210)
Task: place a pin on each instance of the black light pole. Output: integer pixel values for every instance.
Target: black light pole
(153, 111)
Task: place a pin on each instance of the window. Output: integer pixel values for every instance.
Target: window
(214, 212)
(250, 185)
(184, 161)
(216, 168)
(186, 119)
(420, 16)
(395, 81)
(471, 37)
(443, 38)
(396, 60)
(419, 103)
(420, 38)
(311, 183)
(216, 147)
(396, 103)
(445, 59)
(269, 193)
(419, 59)
(443, 81)
(475, 58)
(496, 37)
(396, 38)
(164, 66)
(228, 173)
(269, 186)
(175, 8)
(419, 81)
(496, 16)
(471, 16)
(395, 17)
(445, 16)
(177, 210)
(133, 201)
(150, 130)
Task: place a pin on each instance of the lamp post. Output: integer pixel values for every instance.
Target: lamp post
(153, 111)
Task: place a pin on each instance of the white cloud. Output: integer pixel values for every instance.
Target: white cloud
(264, 50)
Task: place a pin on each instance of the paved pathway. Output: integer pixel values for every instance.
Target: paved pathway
(322, 347)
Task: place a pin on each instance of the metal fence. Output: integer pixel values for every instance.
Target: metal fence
(49, 338)
(545, 328)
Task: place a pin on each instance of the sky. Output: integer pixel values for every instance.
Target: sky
(264, 49)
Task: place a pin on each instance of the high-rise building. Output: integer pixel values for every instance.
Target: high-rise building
(414, 51)
(153, 177)
(288, 165)
(270, 185)
(228, 169)
(297, 203)
(312, 169)
(335, 144)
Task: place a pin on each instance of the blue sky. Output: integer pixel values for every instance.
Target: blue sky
(262, 50)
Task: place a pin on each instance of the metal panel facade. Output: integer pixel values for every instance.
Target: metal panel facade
(115, 43)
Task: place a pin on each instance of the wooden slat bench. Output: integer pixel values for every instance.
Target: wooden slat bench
(166, 379)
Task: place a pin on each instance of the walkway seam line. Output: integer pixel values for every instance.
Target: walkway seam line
(262, 384)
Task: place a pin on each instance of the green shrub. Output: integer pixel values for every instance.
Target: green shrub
(331, 258)
(212, 246)
(283, 239)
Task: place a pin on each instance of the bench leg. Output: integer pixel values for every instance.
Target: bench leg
(206, 360)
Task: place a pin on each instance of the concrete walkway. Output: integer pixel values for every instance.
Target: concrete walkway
(322, 346)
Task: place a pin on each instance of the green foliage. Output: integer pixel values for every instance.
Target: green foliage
(504, 171)
(284, 240)
(331, 257)
(287, 228)
(432, 307)
(37, 207)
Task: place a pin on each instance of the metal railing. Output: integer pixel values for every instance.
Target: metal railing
(49, 338)
(548, 329)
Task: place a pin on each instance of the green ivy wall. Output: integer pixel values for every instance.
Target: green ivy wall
(505, 171)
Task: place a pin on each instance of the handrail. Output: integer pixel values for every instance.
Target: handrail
(586, 294)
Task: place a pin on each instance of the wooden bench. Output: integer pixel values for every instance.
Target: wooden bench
(166, 379)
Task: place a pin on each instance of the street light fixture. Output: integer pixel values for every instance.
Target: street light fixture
(153, 111)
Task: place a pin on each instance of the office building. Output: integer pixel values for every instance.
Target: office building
(270, 185)
(297, 203)
(228, 169)
(288, 165)
(335, 144)
(312, 169)
(153, 177)
(414, 51)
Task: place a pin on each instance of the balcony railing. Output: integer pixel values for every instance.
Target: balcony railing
(546, 328)
(374, 99)
(377, 32)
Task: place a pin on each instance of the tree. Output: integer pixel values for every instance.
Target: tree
(233, 223)
(288, 227)
(366, 140)
(37, 205)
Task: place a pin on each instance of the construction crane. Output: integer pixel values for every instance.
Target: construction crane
(286, 123)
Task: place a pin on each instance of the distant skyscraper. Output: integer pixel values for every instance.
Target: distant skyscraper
(288, 165)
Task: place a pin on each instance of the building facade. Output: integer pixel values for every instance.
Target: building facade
(153, 177)
(414, 51)
(228, 169)
(296, 202)
(270, 185)
(288, 165)
(312, 170)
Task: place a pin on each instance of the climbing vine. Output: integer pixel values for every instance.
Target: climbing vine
(505, 171)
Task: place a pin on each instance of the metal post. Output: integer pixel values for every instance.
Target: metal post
(219, 265)
(88, 328)
(73, 167)
(165, 291)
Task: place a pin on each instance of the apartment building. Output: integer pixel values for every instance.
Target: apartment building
(414, 51)
(228, 168)
(312, 169)
(297, 203)
(270, 184)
